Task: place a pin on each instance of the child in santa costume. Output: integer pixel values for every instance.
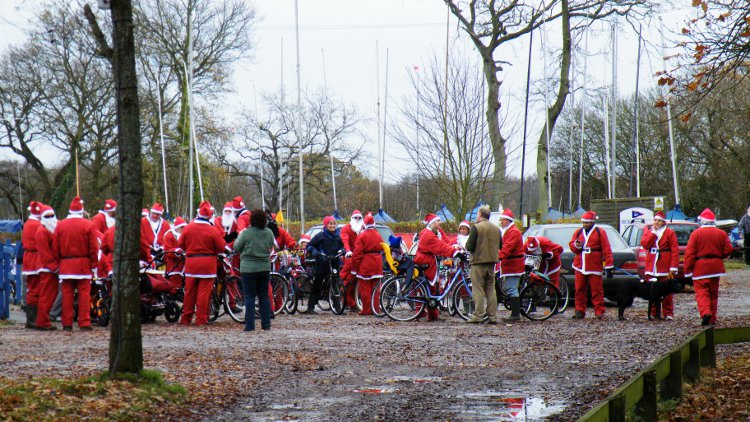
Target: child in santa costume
(662, 260)
(30, 264)
(367, 264)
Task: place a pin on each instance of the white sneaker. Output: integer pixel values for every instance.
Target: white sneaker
(669, 318)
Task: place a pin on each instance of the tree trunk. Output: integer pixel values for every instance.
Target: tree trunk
(125, 347)
(554, 111)
(496, 191)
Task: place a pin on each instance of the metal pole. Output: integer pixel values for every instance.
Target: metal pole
(546, 122)
(380, 151)
(636, 143)
(525, 122)
(20, 191)
(606, 149)
(262, 176)
(614, 110)
(385, 125)
(573, 106)
(445, 88)
(299, 125)
(672, 153)
(161, 138)
(188, 70)
(583, 119)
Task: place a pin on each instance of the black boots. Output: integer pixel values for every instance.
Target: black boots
(515, 310)
(31, 312)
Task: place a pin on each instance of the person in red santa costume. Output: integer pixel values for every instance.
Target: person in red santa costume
(662, 260)
(550, 253)
(76, 243)
(106, 216)
(153, 230)
(107, 251)
(433, 243)
(592, 255)
(240, 213)
(511, 264)
(202, 244)
(367, 264)
(30, 265)
(48, 264)
(174, 262)
(349, 233)
(227, 223)
(706, 250)
(282, 241)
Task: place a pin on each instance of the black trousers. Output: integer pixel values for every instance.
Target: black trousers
(747, 248)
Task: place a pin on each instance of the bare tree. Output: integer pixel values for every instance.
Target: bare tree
(459, 170)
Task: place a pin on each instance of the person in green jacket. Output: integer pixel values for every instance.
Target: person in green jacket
(254, 246)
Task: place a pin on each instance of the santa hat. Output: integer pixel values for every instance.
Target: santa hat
(532, 243)
(589, 217)
(238, 204)
(35, 208)
(110, 205)
(369, 220)
(205, 209)
(660, 216)
(76, 206)
(328, 219)
(179, 222)
(228, 206)
(356, 213)
(507, 214)
(304, 238)
(465, 224)
(430, 218)
(144, 212)
(707, 216)
(157, 208)
(46, 210)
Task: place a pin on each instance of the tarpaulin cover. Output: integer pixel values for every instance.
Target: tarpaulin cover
(445, 214)
(383, 217)
(11, 226)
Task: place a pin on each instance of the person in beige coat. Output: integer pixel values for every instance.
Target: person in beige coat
(484, 243)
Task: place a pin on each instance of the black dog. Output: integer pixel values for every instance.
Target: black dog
(653, 291)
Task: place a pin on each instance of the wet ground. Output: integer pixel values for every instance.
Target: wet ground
(326, 367)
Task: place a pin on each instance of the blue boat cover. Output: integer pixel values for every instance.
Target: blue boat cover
(382, 217)
(445, 214)
(11, 226)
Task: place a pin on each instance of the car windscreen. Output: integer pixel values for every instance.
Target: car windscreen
(683, 232)
(562, 236)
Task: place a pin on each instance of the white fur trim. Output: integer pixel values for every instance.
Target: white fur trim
(507, 218)
(553, 271)
(30, 272)
(587, 272)
(75, 214)
(200, 275)
(437, 218)
(357, 214)
(701, 277)
(372, 277)
(74, 276)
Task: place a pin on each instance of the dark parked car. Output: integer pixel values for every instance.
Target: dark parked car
(624, 258)
(385, 232)
(634, 233)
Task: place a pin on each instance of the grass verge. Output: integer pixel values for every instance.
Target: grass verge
(126, 397)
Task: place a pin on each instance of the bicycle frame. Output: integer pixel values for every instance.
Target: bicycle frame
(448, 287)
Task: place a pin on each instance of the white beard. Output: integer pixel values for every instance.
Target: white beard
(110, 221)
(356, 225)
(461, 240)
(49, 224)
(176, 234)
(227, 220)
(154, 224)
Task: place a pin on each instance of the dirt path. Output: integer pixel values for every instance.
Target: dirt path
(326, 367)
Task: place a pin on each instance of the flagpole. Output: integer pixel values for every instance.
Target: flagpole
(385, 124)
(299, 124)
(380, 151)
(161, 137)
(635, 120)
(583, 119)
(525, 123)
(672, 153)
(78, 182)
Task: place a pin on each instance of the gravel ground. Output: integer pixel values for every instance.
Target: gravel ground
(333, 368)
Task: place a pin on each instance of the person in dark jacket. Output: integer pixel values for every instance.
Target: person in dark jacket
(326, 243)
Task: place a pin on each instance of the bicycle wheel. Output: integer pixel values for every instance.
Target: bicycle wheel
(279, 293)
(336, 295)
(290, 305)
(357, 298)
(324, 302)
(403, 303)
(539, 301)
(234, 299)
(562, 306)
(377, 310)
(463, 301)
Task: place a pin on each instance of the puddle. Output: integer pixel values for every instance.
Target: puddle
(375, 390)
(415, 380)
(495, 406)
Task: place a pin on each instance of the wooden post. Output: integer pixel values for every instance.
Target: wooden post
(646, 408)
(672, 385)
(617, 409)
(708, 354)
(692, 368)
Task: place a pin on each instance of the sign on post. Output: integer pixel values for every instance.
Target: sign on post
(636, 214)
(658, 203)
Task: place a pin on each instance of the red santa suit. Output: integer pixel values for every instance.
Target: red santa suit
(174, 263)
(367, 264)
(243, 215)
(662, 258)
(706, 250)
(152, 232)
(432, 245)
(76, 243)
(591, 249)
(511, 255)
(107, 249)
(550, 252)
(202, 243)
(48, 264)
(30, 266)
(284, 241)
(349, 234)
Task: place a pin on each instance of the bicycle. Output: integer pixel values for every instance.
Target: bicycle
(403, 301)
(286, 262)
(539, 297)
(333, 285)
(227, 294)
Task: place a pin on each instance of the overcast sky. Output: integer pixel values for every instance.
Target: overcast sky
(340, 36)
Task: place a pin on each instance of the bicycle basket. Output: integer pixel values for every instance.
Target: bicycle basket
(533, 261)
